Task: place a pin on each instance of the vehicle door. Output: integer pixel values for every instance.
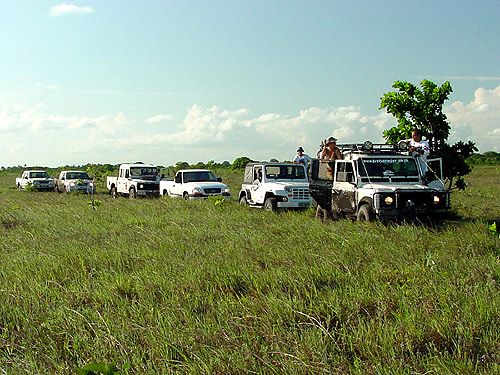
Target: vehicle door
(177, 187)
(60, 181)
(123, 180)
(344, 188)
(257, 189)
(24, 180)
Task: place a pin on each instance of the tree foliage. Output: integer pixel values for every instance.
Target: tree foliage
(239, 163)
(422, 108)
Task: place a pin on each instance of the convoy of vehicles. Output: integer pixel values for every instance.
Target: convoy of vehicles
(377, 182)
(74, 181)
(370, 182)
(275, 185)
(194, 183)
(35, 179)
(135, 180)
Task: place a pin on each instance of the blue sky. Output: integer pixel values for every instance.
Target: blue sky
(165, 81)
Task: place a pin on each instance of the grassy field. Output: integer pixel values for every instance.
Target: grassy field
(161, 286)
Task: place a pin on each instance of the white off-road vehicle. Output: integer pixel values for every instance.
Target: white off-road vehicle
(135, 180)
(275, 185)
(378, 182)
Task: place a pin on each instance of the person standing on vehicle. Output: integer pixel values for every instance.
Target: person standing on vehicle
(331, 151)
(419, 149)
(302, 158)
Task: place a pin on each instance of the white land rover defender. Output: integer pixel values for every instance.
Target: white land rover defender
(275, 185)
(378, 182)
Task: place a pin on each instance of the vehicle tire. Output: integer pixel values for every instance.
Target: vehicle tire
(165, 193)
(270, 204)
(132, 193)
(365, 213)
(243, 200)
(185, 196)
(19, 187)
(112, 192)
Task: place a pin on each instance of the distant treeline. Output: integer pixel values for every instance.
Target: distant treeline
(100, 170)
(488, 158)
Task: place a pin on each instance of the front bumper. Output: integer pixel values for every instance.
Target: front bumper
(80, 189)
(205, 196)
(293, 204)
(148, 193)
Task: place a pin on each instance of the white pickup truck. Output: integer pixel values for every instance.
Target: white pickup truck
(135, 180)
(38, 180)
(194, 183)
(74, 181)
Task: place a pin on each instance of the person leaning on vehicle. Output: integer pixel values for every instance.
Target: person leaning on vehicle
(330, 150)
(302, 158)
(419, 149)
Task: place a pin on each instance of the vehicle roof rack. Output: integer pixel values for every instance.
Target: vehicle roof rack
(375, 148)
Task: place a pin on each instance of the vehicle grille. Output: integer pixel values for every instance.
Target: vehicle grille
(143, 186)
(212, 190)
(300, 193)
(416, 199)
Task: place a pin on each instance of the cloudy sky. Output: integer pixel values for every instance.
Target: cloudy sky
(109, 81)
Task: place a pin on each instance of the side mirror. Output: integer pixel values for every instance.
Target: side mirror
(162, 176)
(219, 179)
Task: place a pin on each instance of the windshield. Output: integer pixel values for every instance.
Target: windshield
(388, 167)
(199, 176)
(77, 176)
(39, 175)
(285, 172)
(138, 172)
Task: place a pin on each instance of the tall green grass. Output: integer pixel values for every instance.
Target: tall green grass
(166, 286)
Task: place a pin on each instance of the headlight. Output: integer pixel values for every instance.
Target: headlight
(437, 199)
(197, 190)
(288, 188)
(71, 184)
(225, 191)
(388, 200)
(141, 186)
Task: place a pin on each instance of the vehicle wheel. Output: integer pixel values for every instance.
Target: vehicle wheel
(185, 196)
(365, 213)
(131, 193)
(165, 193)
(243, 200)
(270, 204)
(19, 187)
(112, 192)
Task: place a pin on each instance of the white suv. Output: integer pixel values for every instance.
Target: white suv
(275, 185)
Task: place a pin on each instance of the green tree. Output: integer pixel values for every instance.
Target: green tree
(239, 163)
(422, 108)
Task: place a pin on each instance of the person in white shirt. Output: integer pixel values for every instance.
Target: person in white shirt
(302, 158)
(419, 149)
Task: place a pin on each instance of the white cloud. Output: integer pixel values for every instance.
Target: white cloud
(158, 119)
(36, 135)
(477, 121)
(64, 9)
